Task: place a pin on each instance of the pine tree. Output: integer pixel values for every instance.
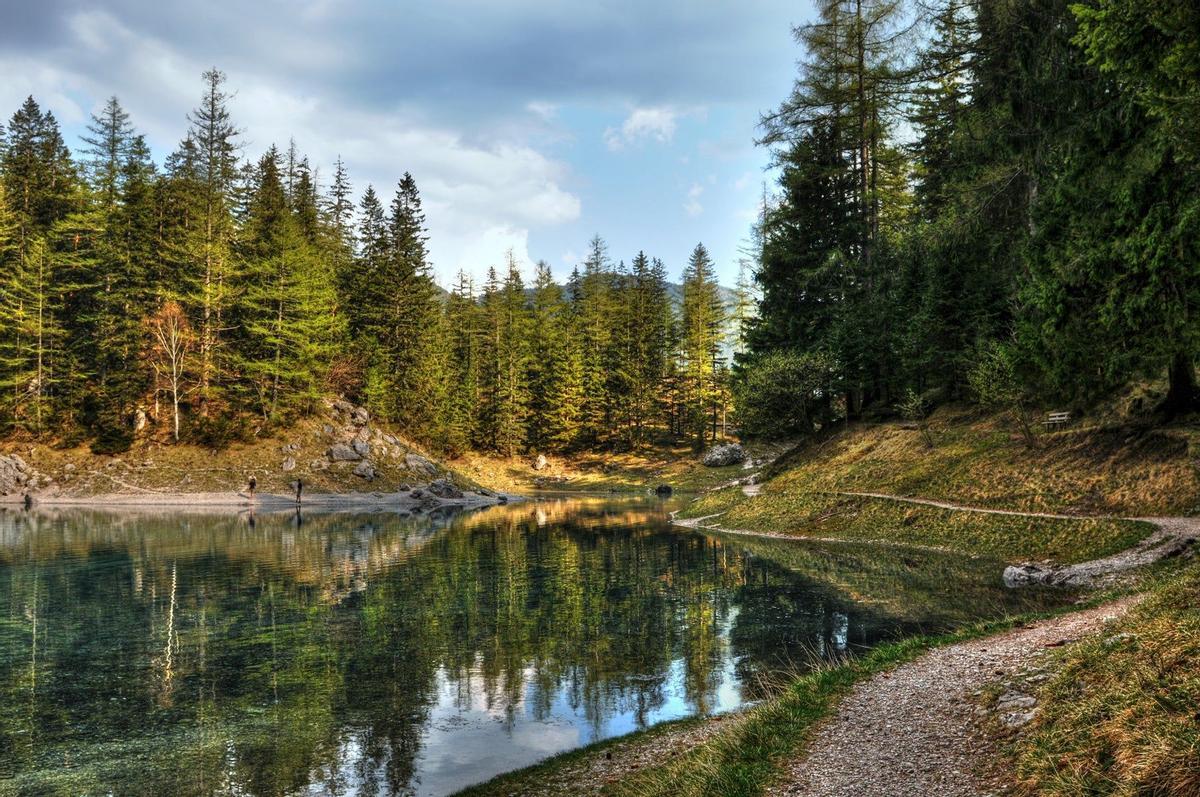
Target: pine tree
(702, 318)
(210, 238)
(109, 138)
(554, 374)
(461, 370)
(287, 326)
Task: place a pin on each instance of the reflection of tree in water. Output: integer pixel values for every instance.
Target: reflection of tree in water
(266, 658)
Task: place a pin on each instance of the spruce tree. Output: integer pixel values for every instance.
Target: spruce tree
(702, 320)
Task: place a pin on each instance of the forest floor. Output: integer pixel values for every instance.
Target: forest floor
(1013, 706)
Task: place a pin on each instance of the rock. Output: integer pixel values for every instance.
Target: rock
(663, 490)
(139, 420)
(391, 440)
(502, 499)
(418, 463)
(14, 474)
(362, 448)
(69, 467)
(417, 493)
(485, 492)
(540, 463)
(359, 416)
(1011, 701)
(405, 487)
(289, 464)
(444, 489)
(318, 465)
(365, 470)
(340, 452)
(341, 405)
(722, 455)
(1015, 719)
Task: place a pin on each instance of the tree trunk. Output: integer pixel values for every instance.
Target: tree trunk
(1182, 394)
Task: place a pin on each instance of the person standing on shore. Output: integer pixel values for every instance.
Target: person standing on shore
(253, 486)
(299, 490)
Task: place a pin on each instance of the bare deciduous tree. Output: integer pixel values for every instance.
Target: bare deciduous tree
(172, 339)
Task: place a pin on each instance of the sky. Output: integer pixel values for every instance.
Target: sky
(527, 124)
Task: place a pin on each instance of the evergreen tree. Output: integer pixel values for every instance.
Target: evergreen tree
(702, 318)
(287, 326)
(210, 237)
(554, 373)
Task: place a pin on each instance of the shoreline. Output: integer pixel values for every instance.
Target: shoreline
(265, 502)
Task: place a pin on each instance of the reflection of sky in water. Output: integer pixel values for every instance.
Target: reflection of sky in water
(354, 654)
(467, 740)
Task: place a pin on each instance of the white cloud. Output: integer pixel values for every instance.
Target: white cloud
(692, 205)
(644, 124)
(743, 182)
(480, 197)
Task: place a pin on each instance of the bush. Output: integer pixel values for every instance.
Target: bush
(784, 392)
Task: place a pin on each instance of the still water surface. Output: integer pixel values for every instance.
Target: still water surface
(152, 654)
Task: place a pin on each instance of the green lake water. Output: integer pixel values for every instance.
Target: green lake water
(192, 654)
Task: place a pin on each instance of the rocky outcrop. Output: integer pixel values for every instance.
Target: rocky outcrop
(362, 448)
(365, 470)
(722, 455)
(15, 476)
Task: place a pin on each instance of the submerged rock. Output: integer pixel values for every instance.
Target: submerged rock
(721, 455)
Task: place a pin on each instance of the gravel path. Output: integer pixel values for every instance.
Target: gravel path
(914, 731)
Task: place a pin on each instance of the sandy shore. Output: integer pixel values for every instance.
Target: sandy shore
(265, 502)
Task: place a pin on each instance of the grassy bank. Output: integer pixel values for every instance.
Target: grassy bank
(784, 507)
(1121, 715)
(977, 460)
(641, 469)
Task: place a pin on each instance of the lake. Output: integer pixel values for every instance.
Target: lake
(188, 654)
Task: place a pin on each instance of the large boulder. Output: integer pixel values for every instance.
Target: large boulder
(15, 475)
(365, 470)
(289, 464)
(540, 463)
(362, 448)
(444, 489)
(359, 416)
(340, 452)
(722, 455)
(418, 463)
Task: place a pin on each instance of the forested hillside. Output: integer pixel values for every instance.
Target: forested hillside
(217, 297)
(996, 201)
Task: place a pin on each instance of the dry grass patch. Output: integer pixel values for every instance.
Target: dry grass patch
(1122, 717)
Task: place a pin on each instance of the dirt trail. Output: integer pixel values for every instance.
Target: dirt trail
(914, 731)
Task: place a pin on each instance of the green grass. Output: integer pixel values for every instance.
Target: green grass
(977, 459)
(1122, 715)
(784, 508)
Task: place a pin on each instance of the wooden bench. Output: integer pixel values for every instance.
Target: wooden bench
(1056, 419)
